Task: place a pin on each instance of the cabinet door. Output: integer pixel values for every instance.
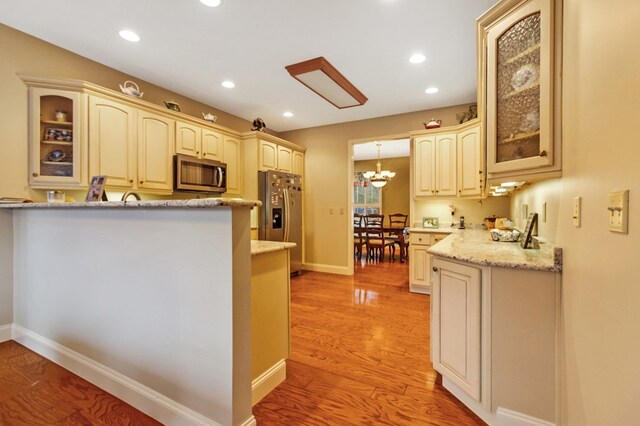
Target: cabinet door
(188, 139)
(445, 165)
(58, 153)
(455, 324)
(155, 151)
(268, 156)
(285, 159)
(298, 163)
(112, 139)
(419, 271)
(233, 158)
(424, 172)
(212, 145)
(520, 70)
(470, 167)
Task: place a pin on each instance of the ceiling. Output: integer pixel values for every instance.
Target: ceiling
(189, 48)
(388, 149)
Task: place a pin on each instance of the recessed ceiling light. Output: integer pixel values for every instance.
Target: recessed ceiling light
(211, 3)
(417, 58)
(287, 114)
(431, 90)
(129, 35)
(228, 84)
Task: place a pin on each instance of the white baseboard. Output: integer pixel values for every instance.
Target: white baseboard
(507, 417)
(141, 397)
(420, 289)
(330, 269)
(475, 406)
(251, 421)
(5, 332)
(268, 381)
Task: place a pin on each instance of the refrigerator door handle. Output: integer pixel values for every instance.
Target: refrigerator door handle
(287, 215)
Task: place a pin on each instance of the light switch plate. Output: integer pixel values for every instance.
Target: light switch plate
(544, 212)
(577, 211)
(524, 211)
(618, 210)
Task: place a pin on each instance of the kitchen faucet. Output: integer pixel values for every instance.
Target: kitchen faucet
(127, 194)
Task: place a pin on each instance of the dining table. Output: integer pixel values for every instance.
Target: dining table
(398, 235)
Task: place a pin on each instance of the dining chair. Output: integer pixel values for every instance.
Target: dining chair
(359, 239)
(399, 221)
(377, 242)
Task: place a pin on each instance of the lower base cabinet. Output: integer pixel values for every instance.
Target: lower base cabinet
(455, 324)
(420, 260)
(494, 339)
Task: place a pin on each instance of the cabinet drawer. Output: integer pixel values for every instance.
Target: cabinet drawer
(438, 237)
(420, 239)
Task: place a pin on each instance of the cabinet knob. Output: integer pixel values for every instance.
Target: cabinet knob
(130, 180)
(543, 153)
(435, 269)
(34, 174)
(198, 152)
(141, 182)
(420, 239)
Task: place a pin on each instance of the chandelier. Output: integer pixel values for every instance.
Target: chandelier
(379, 178)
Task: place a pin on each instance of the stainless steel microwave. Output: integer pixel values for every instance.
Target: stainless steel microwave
(198, 175)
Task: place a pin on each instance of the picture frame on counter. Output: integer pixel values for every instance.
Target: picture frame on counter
(430, 222)
(96, 190)
(528, 230)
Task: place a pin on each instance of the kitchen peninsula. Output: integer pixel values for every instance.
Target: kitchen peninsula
(150, 300)
(495, 325)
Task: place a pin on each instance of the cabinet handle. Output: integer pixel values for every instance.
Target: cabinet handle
(435, 269)
(543, 153)
(34, 174)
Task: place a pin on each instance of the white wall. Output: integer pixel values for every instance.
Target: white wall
(600, 372)
(6, 267)
(161, 296)
(534, 196)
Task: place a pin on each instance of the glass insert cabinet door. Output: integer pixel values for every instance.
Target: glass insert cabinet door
(519, 97)
(55, 151)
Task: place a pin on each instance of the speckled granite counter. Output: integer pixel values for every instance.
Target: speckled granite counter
(261, 247)
(201, 203)
(476, 246)
(444, 230)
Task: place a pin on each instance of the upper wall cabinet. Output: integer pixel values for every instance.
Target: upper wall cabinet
(155, 151)
(197, 141)
(448, 161)
(273, 156)
(519, 89)
(58, 140)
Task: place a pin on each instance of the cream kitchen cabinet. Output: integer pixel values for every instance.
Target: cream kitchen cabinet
(273, 156)
(232, 156)
(435, 165)
(519, 88)
(298, 163)
(132, 147)
(113, 142)
(58, 139)
(420, 240)
(197, 141)
(470, 164)
(155, 151)
(455, 324)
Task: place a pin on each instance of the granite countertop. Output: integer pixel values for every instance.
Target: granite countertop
(261, 247)
(201, 203)
(445, 230)
(476, 246)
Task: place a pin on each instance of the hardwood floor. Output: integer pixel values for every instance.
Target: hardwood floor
(360, 355)
(36, 392)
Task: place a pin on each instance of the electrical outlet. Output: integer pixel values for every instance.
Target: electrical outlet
(330, 210)
(618, 211)
(341, 210)
(577, 211)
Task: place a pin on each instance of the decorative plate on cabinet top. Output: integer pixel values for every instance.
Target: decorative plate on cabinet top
(526, 76)
(57, 155)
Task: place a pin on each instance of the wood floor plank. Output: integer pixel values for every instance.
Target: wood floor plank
(360, 355)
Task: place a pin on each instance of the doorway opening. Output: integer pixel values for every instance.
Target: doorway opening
(373, 192)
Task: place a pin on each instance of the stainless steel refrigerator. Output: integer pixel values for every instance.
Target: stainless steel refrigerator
(280, 217)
